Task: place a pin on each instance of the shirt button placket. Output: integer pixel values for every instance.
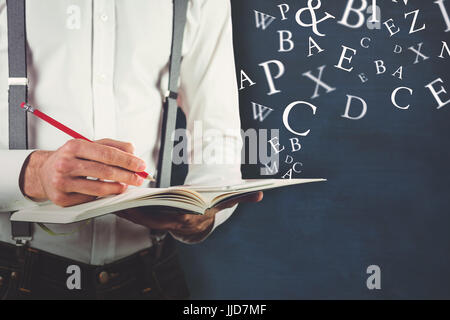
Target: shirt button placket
(104, 232)
(103, 69)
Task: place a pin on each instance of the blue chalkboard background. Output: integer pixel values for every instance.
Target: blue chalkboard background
(387, 199)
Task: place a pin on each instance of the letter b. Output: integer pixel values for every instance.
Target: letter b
(285, 37)
(380, 66)
(359, 12)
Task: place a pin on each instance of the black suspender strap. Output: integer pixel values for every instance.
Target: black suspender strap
(17, 74)
(17, 58)
(164, 171)
(170, 103)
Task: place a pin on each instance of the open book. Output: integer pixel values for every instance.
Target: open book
(186, 199)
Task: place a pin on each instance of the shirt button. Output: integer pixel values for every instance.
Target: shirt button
(103, 277)
(103, 77)
(104, 17)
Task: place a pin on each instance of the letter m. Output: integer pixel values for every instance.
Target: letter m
(269, 170)
(263, 20)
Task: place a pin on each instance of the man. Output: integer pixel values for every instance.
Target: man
(100, 66)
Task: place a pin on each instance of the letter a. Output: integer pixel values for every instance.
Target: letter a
(74, 280)
(313, 44)
(374, 281)
(245, 77)
(74, 17)
(399, 72)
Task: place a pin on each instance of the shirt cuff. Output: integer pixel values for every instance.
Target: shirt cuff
(219, 218)
(11, 197)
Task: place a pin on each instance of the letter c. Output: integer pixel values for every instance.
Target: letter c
(286, 116)
(362, 42)
(394, 95)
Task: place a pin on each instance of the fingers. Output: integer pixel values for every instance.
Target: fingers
(84, 168)
(124, 146)
(104, 154)
(67, 200)
(63, 173)
(251, 197)
(185, 224)
(150, 220)
(182, 224)
(68, 191)
(93, 187)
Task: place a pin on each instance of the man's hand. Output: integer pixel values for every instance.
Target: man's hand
(183, 225)
(60, 176)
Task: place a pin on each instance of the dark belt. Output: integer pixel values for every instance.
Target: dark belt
(152, 273)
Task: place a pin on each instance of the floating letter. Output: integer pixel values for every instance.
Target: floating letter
(347, 108)
(286, 116)
(344, 57)
(263, 20)
(359, 12)
(269, 76)
(436, 94)
(394, 96)
(319, 82)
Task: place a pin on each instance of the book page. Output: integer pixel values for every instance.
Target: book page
(191, 198)
(254, 185)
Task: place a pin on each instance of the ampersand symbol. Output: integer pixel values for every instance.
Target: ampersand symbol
(314, 21)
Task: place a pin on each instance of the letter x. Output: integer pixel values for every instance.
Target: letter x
(319, 82)
(418, 53)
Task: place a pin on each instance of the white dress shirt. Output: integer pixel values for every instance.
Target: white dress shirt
(100, 67)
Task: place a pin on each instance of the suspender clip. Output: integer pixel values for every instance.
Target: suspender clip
(171, 95)
(22, 241)
(21, 232)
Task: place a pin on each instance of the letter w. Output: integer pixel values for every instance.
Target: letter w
(263, 20)
(260, 112)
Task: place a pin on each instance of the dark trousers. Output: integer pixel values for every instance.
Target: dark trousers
(155, 273)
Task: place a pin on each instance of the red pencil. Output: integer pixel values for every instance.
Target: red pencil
(69, 131)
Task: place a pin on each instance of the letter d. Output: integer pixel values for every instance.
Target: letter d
(347, 108)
